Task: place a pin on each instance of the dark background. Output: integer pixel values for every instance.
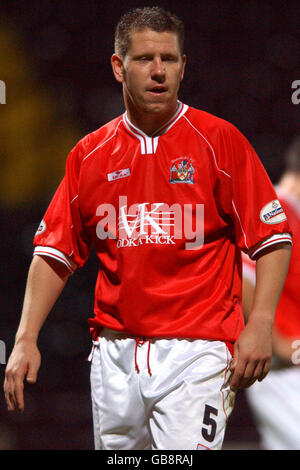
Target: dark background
(55, 60)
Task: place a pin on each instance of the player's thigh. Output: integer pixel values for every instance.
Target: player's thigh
(194, 413)
(118, 411)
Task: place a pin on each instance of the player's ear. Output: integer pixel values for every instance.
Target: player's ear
(183, 66)
(118, 68)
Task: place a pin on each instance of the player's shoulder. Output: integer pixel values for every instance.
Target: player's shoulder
(206, 121)
(98, 137)
(215, 130)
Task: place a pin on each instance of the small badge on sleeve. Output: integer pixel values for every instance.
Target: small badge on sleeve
(42, 228)
(272, 213)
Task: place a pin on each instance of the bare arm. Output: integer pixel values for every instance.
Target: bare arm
(248, 297)
(253, 349)
(282, 346)
(46, 280)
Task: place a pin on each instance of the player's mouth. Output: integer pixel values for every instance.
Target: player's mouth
(158, 90)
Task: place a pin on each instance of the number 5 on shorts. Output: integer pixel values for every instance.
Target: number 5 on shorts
(210, 432)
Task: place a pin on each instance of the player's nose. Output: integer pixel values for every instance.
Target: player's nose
(158, 70)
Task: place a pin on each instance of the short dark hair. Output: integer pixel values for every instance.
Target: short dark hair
(292, 157)
(138, 19)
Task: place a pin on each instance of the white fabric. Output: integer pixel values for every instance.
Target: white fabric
(164, 410)
(275, 403)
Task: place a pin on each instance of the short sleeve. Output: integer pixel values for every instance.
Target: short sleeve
(61, 234)
(249, 197)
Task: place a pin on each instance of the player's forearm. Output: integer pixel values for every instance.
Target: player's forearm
(271, 271)
(44, 285)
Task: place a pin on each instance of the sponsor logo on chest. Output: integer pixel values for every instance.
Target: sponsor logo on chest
(151, 223)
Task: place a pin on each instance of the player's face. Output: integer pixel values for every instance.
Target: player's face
(151, 71)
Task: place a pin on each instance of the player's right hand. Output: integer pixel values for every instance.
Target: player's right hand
(25, 360)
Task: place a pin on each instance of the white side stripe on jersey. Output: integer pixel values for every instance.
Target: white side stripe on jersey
(74, 198)
(103, 143)
(237, 214)
(210, 146)
(55, 254)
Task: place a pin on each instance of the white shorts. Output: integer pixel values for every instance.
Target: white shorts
(168, 394)
(275, 403)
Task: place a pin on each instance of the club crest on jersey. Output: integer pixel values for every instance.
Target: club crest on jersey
(182, 171)
(272, 213)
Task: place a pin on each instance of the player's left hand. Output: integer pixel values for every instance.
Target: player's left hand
(252, 355)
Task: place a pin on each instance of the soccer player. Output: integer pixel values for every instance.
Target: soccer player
(169, 196)
(276, 401)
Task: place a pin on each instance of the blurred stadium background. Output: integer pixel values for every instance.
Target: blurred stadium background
(55, 62)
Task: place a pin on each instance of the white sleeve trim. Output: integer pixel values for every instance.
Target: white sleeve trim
(55, 254)
(278, 238)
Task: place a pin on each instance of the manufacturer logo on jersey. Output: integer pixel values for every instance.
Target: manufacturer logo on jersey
(182, 171)
(42, 228)
(115, 175)
(272, 213)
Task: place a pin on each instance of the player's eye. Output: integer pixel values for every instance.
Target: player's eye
(144, 58)
(169, 59)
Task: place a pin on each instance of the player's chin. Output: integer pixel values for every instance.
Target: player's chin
(158, 105)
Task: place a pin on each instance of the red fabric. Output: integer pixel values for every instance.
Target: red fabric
(155, 287)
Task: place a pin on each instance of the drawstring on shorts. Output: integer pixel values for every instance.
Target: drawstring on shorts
(90, 358)
(138, 342)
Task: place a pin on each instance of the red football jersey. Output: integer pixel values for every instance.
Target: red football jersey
(287, 318)
(168, 215)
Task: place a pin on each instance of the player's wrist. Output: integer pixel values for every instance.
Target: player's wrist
(261, 318)
(26, 338)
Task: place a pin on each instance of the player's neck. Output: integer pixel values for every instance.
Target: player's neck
(148, 122)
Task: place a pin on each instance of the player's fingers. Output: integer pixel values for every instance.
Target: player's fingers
(32, 375)
(249, 374)
(19, 395)
(237, 374)
(257, 373)
(32, 372)
(16, 387)
(265, 370)
(234, 360)
(11, 405)
(9, 395)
